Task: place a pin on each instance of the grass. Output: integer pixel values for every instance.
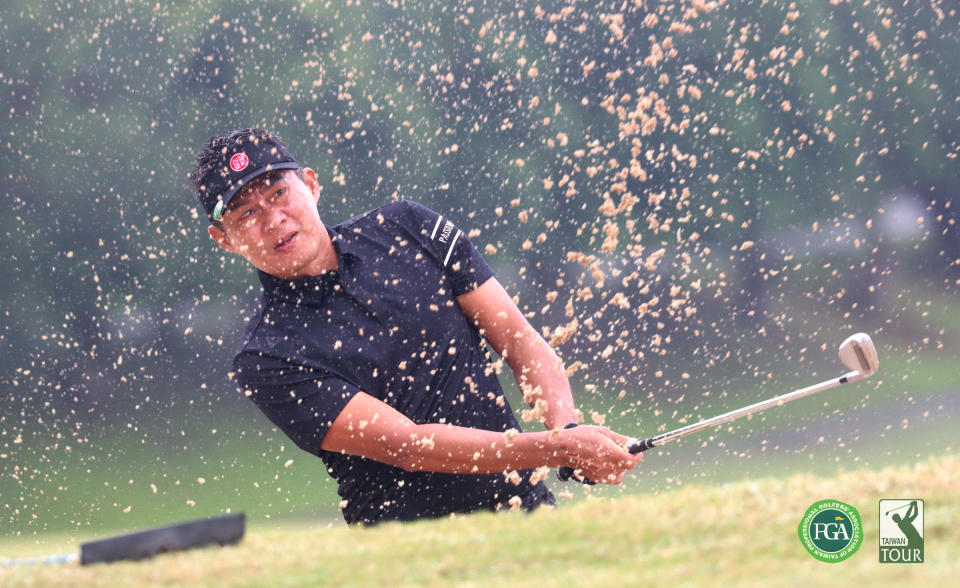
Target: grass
(742, 533)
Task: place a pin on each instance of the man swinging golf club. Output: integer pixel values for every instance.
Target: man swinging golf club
(914, 540)
(367, 347)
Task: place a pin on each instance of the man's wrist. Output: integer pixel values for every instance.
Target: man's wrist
(555, 446)
(563, 418)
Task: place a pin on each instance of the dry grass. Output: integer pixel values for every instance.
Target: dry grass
(736, 534)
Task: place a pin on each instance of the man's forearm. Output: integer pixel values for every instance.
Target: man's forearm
(460, 450)
(598, 452)
(540, 374)
(372, 429)
(538, 370)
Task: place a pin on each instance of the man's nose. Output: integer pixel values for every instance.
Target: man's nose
(275, 217)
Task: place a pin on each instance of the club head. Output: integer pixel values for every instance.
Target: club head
(858, 354)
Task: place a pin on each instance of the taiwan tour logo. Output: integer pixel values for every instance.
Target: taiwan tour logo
(831, 530)
(901, 531)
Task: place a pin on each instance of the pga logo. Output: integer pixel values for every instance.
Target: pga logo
(831, 530)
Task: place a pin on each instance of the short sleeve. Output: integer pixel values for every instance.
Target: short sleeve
(453, 250)
(301, 401)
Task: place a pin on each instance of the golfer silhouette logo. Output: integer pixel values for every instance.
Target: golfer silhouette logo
(831, 530)
(901, 531)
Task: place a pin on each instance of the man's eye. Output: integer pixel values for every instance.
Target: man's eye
(246, 213)
(280, 193)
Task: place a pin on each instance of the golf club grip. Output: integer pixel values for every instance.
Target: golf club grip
(565, 473)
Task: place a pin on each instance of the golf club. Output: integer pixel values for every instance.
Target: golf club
(896, 509)
(857, 353)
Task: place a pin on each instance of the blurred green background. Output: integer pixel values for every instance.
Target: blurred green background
(709, 195)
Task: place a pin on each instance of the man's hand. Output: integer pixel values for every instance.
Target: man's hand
(597, 453)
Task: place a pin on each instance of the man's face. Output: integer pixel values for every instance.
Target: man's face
(274, 224)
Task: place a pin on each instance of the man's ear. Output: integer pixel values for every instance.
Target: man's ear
(310, 179)
(218, 235)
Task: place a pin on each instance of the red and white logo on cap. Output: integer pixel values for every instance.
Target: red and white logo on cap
(239, 162)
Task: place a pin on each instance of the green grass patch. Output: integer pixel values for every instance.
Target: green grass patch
(743, 533)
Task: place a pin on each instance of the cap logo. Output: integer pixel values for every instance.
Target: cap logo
(239, 162)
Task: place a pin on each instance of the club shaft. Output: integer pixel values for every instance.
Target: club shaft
(742, 412)
(898, 508)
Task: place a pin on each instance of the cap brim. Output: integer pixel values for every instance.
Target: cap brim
(229, 194)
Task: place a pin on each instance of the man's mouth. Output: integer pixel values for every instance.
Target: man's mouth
(283, 243)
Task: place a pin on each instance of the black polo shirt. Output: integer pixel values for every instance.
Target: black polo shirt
(386, 322)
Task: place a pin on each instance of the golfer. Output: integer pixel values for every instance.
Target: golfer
(367, 347)
(914, 540)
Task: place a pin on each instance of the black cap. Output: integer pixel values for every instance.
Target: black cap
(238, 165)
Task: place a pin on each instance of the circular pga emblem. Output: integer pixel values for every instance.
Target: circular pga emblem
(239, 162)
(831, 530)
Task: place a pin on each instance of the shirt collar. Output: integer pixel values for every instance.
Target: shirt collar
(345, 245)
